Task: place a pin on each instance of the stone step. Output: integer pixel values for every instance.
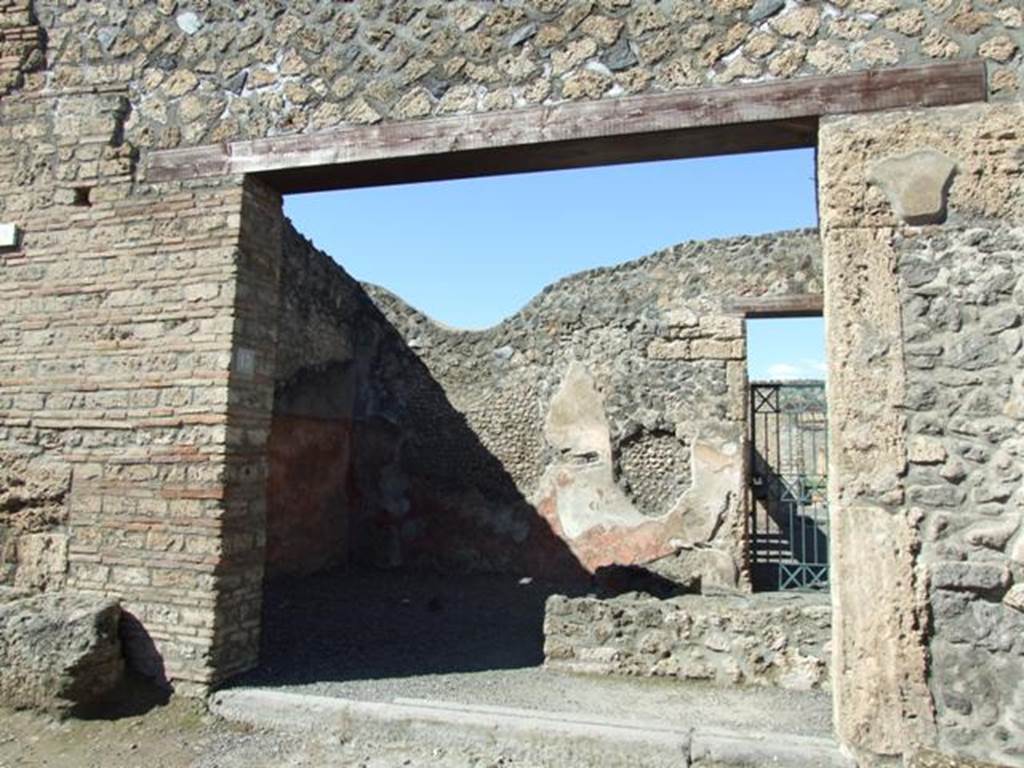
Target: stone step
(537, 736)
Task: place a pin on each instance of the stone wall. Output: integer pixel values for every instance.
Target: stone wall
(765, 639)
(926, 423)
(325, 322)
(129, 403)
(203, 71)
(603, 424)
(137, 318)
(962, 293)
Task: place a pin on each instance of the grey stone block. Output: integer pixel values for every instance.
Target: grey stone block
(916, 185)
(58, 650)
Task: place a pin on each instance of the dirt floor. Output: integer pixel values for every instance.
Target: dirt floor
(378, 636)
(181, 735)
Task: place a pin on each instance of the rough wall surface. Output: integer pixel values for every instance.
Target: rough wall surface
(602, 424)
(325, 322)
(766, 639)
(58, 651)
(203, 71)
(138, 355)
(130, 404)
(924, 354)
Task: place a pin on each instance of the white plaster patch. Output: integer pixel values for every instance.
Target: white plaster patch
(9, 235)
(189, 22)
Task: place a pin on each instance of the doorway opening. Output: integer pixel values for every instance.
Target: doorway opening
(434, 484)
(788, 517)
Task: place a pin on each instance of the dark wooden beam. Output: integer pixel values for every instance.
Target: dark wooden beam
(703, 121)
(791, 305)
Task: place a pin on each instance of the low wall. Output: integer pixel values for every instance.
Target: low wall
(603, 424)
(764, 639)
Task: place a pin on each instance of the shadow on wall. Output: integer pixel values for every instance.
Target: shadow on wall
(377, 487)
(429, 493)
(398, 543)
(370, 463)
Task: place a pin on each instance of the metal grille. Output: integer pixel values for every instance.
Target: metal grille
(788, 522)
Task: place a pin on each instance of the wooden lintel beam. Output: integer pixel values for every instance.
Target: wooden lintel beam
(654, 126)
(790, 305)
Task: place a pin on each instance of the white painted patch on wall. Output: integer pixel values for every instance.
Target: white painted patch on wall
(9, 235)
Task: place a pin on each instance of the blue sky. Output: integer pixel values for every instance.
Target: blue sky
(471, 252)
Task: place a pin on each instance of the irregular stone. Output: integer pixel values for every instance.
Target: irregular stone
(926, 450)
(42, 561)
(361, 112)
(549, 36)
(189, 22)
(1004, 80)
(602, 28)
(969, 21)
(763, 9)
(58, 651)
(878, 52)
(1000, 48)
(1014, 598)
(802, 21)
(107, 36)
(1001, 319)
(917, 185)
(236, 83)
(647, 18)
(521, 35)
(459, 99)
(788, 61)
(656, 47)
(939, 46)
(573, 55)
(586, 84)
(1011, 17)
(760, 45)
(739, 68)
(993, 535)
(907, 22)
(415, 103)
(620, 56)
(180, 82)
(467, 16)
(848, 28)
(970, 576)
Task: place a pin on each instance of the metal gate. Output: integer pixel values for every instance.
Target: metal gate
(788, 521)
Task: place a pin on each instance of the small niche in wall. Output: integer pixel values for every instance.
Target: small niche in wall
(82, 197)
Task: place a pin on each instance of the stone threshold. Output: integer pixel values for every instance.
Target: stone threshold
(549, 738)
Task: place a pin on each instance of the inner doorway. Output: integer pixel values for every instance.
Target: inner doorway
(788, 521)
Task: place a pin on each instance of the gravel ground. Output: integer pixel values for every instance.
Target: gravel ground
(181, 735)
(478, 640)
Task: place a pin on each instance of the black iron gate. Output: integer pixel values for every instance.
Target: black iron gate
(788, 522)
